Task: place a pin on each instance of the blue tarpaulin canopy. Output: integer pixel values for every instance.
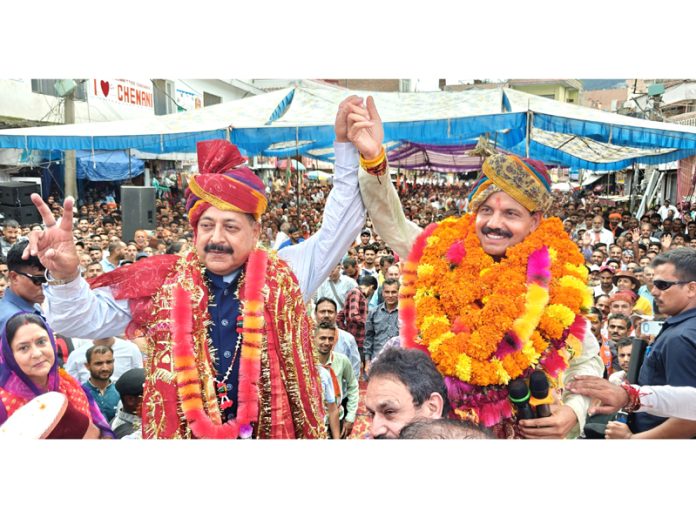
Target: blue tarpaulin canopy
(107, 166)
(300, 121)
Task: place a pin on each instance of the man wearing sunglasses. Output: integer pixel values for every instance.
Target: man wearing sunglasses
(24, 292)
(672, 360)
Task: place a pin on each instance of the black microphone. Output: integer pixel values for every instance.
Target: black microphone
(541, 399)
(518, 394)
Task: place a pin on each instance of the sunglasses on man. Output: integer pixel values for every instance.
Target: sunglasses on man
(665, 285)
(38, 280)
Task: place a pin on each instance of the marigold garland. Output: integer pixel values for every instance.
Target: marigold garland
(485, 323)
(187, 378)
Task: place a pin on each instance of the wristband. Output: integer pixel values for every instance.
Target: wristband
(633, 397)
(61, 282)
(377, 166)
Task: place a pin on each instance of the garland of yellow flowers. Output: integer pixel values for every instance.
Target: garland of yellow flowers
(484, 322)
(187, 377)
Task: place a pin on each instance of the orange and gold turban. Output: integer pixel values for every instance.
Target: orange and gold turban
(526, 180)
(223, 183)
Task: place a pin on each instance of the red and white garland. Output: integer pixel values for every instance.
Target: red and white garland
(187, 375)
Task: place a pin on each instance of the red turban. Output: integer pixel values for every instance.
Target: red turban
(223, 183)
(625, 295)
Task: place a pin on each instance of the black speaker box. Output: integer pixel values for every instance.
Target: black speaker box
(25, 215)
(137, 210)
(17, 194)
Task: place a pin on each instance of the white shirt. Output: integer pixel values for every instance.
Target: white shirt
(668, 401)
(605, 236)
(663, 211)
(341, 287)
(127, 356)
(281, 237)
(348, 346)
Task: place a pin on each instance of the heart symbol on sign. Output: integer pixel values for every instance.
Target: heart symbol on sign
(105, 88)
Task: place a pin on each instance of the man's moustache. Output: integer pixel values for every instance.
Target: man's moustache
(496, 232)
(213, 247)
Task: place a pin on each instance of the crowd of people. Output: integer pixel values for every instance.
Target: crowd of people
(367, 318)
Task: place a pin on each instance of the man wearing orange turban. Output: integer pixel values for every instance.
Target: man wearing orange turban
(507, 204)
(229, 340)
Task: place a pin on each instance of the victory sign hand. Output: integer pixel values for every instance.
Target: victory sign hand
(54, 246)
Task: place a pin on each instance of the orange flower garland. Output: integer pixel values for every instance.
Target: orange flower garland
(462, 307)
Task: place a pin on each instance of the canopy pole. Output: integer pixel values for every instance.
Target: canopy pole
(530, 121)
(297, 172)
(130, 174)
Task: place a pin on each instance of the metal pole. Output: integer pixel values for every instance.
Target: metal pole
(70, 166)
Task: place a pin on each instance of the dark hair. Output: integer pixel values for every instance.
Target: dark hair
(370, 246)
(114, 245)
(623, 342)
(597, 312)
(389, 282)
(600, 296)
(97, 349)
(17, 321)
(620, 316)
(443, 429)
(326, 299)
(15, 261)
(386, 259)
(414, 369)
(10, 223)
(326, 325)
(367, 280)
(174, 248)
(349, 261)
(683, 259)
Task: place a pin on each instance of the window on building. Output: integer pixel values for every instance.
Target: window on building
(163, 96)
(48, 87)
(210, 99)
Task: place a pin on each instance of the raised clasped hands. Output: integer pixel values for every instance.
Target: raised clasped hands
(359, 122)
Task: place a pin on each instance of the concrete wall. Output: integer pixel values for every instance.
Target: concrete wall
(607, 100)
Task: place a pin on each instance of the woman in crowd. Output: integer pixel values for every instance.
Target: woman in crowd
(28, 369)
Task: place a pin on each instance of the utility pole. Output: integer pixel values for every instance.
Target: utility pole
(70, 165)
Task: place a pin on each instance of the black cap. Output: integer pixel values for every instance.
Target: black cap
(131, 382)
(518, 390)
(539, 384)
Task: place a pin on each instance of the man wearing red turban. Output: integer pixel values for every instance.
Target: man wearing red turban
(229, 340)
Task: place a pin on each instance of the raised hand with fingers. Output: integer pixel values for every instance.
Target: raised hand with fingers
(55, 246)
(365, 129)
(666, 242)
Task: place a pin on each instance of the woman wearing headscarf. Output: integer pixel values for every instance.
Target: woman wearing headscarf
(28, 369)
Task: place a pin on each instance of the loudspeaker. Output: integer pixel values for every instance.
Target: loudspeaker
(17, 194)
(25, 215)
(137, 210)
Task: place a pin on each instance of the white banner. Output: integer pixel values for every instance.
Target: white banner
(124, 91)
